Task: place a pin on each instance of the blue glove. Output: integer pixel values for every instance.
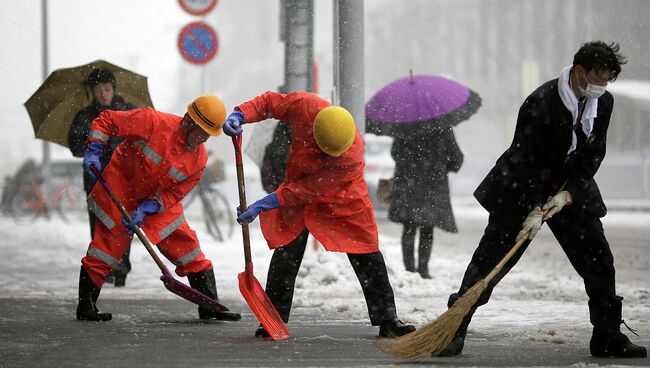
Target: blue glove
(91, 157)
(232, 125)
(269, 202)
(137, 217)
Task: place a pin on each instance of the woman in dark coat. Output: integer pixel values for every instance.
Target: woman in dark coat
(101, 83)
(420, 196)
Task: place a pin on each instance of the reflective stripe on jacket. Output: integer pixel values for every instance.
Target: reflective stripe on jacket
(151, 163)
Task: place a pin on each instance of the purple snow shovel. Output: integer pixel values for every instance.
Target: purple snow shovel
(170, 282)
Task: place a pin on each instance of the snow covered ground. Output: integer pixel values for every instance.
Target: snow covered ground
(541, 299)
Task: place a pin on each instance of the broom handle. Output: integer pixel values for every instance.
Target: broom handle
(141, 235)
(514, 249)
(236, 141)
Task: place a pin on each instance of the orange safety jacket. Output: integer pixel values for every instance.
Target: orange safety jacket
(151, 163)
(327, 195)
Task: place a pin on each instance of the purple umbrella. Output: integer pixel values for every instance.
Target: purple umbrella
(417, 105)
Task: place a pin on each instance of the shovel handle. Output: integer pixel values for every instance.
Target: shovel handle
(141, 235)
(236, 141)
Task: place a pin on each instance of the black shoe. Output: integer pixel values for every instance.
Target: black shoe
(456, 345)
(261, 332)
(92, 315)
(409, 268)
(424, 273)
(616, 344)
(203, 282)
(454, 348)
(394, 328)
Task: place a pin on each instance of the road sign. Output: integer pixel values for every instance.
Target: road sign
(198, 42)
(198, 7)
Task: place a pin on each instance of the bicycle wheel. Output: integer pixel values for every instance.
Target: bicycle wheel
(24, 205)
(217, 213)
(72, 203)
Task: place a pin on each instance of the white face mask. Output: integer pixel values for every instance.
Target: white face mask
(592, 90)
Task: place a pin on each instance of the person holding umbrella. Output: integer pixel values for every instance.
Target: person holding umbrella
(547, 174)
(103, 87)
(418, 112)
(160, 161)
(420, 195)
(63, 107)
(323, 193)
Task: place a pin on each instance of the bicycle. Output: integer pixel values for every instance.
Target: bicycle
(32, 200)
(217, 212)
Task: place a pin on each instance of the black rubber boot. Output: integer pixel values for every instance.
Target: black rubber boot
(203, 281)
(613, 343)
(456, 345)
(261, 332)
(424, 251)
(394, 328)
(408, 247)
(88, 294)
(120, 278)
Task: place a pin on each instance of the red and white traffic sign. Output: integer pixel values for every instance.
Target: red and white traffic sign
(198, 7)
(198, 42)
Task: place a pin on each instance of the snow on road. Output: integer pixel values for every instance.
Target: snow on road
(541, 299)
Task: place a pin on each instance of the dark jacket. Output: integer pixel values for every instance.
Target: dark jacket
(274, 162)
(80, 128)
(420, 185)
(537, 163)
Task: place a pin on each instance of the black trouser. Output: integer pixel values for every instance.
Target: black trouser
(582, 238)
(424, 246)
(369, 268)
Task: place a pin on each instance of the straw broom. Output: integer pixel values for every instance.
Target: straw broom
(431, 339)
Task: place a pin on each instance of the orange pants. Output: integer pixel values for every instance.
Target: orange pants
(106, 248)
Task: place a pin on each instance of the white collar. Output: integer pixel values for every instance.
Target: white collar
(570, 101)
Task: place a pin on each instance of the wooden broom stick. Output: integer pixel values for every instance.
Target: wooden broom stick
(431, 339)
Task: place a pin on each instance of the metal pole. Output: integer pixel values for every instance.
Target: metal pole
(297, 32)
(45, 167)
(349, 60)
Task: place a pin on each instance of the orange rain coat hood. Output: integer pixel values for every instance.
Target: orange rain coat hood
(327, 195)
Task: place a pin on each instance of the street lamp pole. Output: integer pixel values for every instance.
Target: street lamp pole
(349, 59)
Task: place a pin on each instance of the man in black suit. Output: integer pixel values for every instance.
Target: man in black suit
(560, 137)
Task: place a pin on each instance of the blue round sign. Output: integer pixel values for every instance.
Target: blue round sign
(198, 42)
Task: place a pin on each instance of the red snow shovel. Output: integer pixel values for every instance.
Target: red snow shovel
(249, 287)
(170, 282)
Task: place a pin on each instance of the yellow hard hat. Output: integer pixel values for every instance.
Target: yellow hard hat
(209, 112)
(334, 130)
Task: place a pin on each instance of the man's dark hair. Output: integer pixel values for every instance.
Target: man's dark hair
(100, 75)
(599, 56)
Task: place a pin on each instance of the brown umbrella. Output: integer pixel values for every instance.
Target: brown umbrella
(56, 102)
